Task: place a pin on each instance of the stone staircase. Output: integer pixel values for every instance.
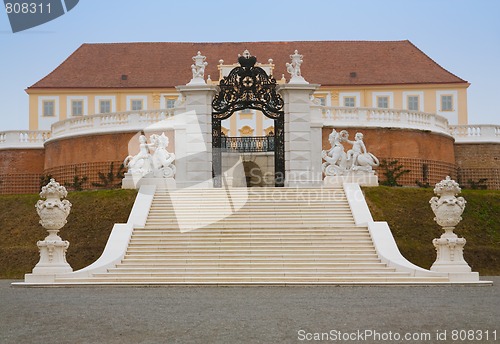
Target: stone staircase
(271, 236)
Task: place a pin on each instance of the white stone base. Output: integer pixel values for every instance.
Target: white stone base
(46, 273)
(132, 181)
(464, 277)
(451, 267)
(361, 178)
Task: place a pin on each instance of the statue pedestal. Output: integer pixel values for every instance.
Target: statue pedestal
(450, 255)
(52, 259)
(362, 178)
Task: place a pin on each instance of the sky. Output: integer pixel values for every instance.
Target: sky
(463, 36)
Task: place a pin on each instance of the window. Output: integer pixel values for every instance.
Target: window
(350, 101)
(413, 103)
(446, 103)
(104, 106)
(136, 104)
(77, 107)
(170, 103)
(321, 101)
(48, 108)
(383, 102)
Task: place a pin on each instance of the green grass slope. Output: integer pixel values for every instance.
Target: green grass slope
(93, 214)
(91, 219)
(408, 212)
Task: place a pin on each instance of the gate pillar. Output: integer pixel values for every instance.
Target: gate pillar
(302, 136)
(193, 136)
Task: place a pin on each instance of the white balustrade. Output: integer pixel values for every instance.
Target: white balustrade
(475, 133)
(23, 138)
(330, 116)
(376, 117)
(109, 122)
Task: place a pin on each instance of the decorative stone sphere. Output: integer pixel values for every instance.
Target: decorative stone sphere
(53, 211)
(448, 208)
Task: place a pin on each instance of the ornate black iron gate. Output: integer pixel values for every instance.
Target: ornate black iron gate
(248, 87)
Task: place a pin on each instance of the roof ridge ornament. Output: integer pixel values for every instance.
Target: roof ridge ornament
(294, 68)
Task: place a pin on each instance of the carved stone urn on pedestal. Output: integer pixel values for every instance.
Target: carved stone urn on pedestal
(448, 210)
(53, 213)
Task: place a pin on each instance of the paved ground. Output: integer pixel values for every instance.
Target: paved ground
(246, 315)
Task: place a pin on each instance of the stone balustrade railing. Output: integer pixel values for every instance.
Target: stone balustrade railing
(330, 116)
(110, 122)
(376, 117)
(475, 133)
(23, 138)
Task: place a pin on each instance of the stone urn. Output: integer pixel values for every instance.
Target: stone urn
(448, 210)
(53, 212)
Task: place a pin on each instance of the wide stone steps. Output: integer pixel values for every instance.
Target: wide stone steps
(257, 237)
(154, 257)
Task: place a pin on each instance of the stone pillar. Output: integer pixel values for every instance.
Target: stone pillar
(302, 136)
(193, 136)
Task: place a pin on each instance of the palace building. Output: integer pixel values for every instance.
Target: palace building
(84, 114)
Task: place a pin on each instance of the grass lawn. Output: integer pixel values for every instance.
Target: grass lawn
(91, 219)
(93, 214)
(408, 212)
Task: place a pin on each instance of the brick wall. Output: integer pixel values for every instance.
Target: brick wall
(477, 161)
(20, 170)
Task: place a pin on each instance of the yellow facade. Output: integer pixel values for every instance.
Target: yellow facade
(396, 97)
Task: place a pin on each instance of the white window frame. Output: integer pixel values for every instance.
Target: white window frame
(137, 97)
(45, 104)
(376, 95)
(355, 95)
(451, 102)
(101, 102)
(136, 104)
(421, 102)
(450, 115)
(386, 101)
(164, 97)
(43, 99)
(98, 99)
(327, 96)
(69, 105)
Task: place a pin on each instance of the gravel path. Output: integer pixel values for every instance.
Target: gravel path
(246, 314)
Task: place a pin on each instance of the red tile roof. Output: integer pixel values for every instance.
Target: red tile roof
(159, 65)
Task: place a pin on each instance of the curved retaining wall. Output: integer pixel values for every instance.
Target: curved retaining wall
(20, 170)
(476, 161)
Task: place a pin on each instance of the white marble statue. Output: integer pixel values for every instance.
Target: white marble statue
(336, 158)
(153, 159)
(140, 163)
(294, 69)
(162, 160)
(198, 69)
(358, 157)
